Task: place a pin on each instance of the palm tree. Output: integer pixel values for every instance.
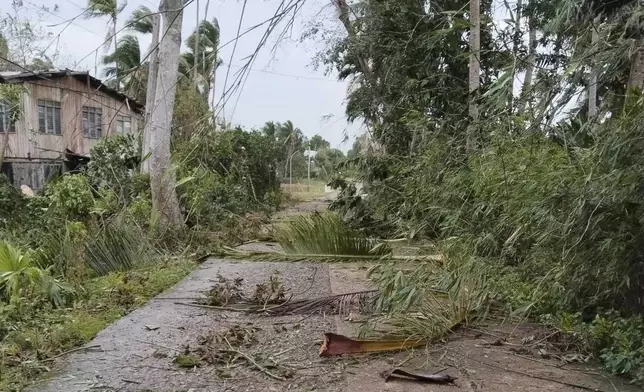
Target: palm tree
(142, 20)
(208, 60)
(292, 139)
(124, 66)
(109, 8)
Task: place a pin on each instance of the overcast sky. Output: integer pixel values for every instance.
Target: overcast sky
(283, 85)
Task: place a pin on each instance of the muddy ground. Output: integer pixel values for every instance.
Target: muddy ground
(137, 352)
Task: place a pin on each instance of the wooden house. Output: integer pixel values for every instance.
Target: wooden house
(62, 115)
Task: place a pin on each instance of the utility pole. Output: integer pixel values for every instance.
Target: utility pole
(196, 59)
(308, 184)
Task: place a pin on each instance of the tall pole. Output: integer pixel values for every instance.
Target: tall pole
(196, 54)
(308, 184)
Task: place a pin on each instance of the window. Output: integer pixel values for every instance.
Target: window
(49, 117)
(123, 124)
(6, 123)
(92, 122)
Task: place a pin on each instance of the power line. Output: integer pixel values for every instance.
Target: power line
(63, 19)
(243, 73)
(288, 75)
(239, 25)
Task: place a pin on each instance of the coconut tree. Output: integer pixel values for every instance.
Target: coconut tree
(109, 8)
(141, 20)
(125, 68)
(207, 59)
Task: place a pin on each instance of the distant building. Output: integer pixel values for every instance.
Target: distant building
(63, 114)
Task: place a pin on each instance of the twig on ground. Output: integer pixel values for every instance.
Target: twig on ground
(556, 366)
(255, 364)
(158, 345)
(71, 351)
(568, 384)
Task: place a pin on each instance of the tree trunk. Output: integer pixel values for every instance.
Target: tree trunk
(212, 97)
(343, 13)
(592, 83)
(474, 74)
(153, 69)
(516, 45)
(532, 58)
(636, 76)
(195, 73)
(165, 203)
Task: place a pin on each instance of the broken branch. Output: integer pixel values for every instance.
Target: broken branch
(255, 364)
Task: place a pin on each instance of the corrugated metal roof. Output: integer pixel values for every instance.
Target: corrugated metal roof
(12, 77)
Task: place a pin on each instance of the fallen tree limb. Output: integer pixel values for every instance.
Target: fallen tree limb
(231, 253)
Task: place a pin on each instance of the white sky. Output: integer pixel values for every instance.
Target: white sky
(282, 85)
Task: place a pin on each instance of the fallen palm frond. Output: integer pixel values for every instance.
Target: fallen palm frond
(339, 303)
(335, 344)
(336, 304)
(237, 254)
(325, 234)
(429, 300)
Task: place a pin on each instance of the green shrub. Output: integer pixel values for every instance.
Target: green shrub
(113, 158)
(619, 343)
(19, 276)
(12, 203)
(233, 172)
(62, 251)
(71, 196)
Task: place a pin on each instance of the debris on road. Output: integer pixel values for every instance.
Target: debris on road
(335, 345)
(420, 377)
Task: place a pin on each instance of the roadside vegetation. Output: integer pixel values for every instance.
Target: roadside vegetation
(533, 195)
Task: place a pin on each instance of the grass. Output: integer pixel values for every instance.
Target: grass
(303, 190)
(32, 336)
